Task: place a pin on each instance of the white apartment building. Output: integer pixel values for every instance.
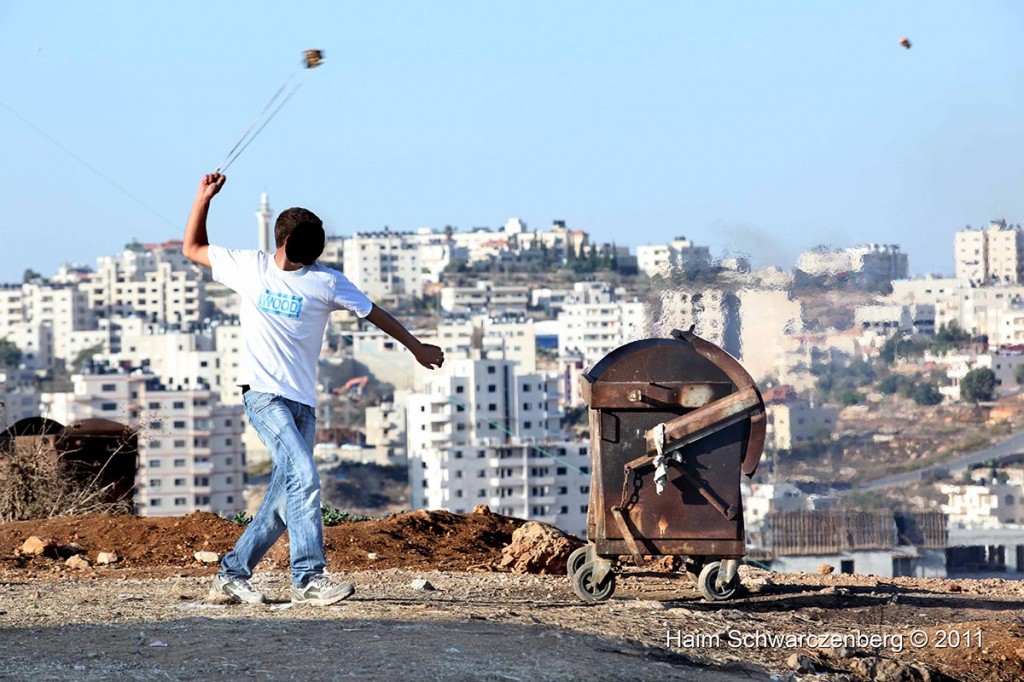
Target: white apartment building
(1003, 363)
(384, 265)
(796, 422)
(680, 254)
(19, 397)
(486, 297)
(507, 338)
(385, 432)
(984, 505)
(992, 255)
(713, 313)
(35, 341)
(596, 320)
(767, 318)
(191, 456)
(872, 262)
(482, 432)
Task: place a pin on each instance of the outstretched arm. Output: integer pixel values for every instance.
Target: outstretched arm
(195, 245)
(429, 356)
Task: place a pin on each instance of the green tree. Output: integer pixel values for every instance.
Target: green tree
(30, 275)
(977, 385)
(949, 336)
(10, 355)
(926, 394)
(889, 384)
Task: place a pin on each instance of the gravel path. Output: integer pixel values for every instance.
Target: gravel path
(496, 626)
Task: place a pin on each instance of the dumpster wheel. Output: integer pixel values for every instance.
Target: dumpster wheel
(707, 580)
(576, 560)
(586, 589)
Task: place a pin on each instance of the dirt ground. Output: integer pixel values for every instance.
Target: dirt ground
(147, 617)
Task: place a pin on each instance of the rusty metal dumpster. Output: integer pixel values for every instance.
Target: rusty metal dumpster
(673, 423)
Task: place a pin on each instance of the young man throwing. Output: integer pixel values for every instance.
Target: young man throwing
(286, 301)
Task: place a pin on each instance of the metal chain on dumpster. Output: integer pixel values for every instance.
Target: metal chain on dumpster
(638, 482)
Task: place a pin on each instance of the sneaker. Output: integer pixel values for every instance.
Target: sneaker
(321, 591)
(237, 589)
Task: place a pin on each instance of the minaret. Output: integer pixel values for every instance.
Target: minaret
(265, 217)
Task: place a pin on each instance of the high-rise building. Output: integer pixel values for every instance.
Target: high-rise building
(993, 255)
(484, 433)
(191, 455)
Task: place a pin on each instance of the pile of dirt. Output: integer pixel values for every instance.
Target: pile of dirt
(418, 539)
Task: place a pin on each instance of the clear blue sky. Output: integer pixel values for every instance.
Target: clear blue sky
(760, 127)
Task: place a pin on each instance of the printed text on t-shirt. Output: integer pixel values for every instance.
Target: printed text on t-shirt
(285, 305)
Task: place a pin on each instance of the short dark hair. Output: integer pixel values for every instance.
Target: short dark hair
(304, 233)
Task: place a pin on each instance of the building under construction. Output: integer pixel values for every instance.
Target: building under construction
(882, 543)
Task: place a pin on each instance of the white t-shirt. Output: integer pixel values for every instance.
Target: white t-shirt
(284, 315)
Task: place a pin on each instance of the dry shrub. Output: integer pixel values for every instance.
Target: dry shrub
(36, 484)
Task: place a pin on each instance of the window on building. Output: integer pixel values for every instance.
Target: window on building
(202, 481)
(179, 443)
(458, 454)
(154, 464)
(491, 369)
(527, 425)
(492, 407)
(179, 405)
(179, 482)
(560, 471)
(154, 444)
(180, 501)
(492, 388)
(108, 388)
(230, 499)
(156, 503)
(179, 463)
(229, 480)
(108, 407)
(562, 490)
(460, 389)
(563, 510)
(179, 424)
(155, 483)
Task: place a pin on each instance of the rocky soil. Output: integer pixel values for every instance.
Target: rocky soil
(146, 616)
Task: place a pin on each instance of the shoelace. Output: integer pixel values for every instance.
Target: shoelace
(243, 583)
(321, 582)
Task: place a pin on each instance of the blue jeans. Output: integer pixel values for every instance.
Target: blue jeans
(292, 500)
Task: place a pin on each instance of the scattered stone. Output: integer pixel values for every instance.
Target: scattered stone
(955, 587)
(157, 642)
(826, 569)
(801, 664)
(130, 597)
(372, 556)
(107, 558)
(481, 509)
(421, 584)
(36, 546)
(207, 557)
(538, 548)
(282, 607)
(78, 561)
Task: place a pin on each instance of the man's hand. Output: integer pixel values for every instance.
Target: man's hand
(429, 356)
(210, 185)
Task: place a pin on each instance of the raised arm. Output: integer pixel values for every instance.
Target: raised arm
(427, 355)
(195, 245)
